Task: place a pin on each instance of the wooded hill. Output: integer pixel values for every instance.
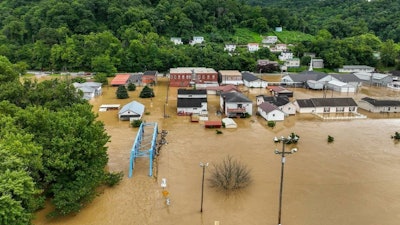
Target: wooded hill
(134, 35)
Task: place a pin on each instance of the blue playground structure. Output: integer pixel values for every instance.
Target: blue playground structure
(144, 146)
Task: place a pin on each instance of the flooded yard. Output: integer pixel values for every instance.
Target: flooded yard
(354, 180)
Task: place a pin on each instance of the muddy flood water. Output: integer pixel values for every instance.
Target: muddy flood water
(354, 180)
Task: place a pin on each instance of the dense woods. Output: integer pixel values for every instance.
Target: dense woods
(121, 35)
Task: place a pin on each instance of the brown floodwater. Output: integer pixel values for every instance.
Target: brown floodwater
(354, 180)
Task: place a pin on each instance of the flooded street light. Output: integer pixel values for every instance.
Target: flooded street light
(284, 141)
(203, 165)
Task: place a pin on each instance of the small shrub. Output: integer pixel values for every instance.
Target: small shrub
(136, 123)
(396, 136)
(147, 113)
(131, 87)
(271, 124)
(293, 138)
(113, 178)
(330, 139)
(218, 132)
(229, 175)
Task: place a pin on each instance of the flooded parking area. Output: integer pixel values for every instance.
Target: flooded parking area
(353, 180)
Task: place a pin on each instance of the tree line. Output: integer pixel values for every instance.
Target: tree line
(116, 35)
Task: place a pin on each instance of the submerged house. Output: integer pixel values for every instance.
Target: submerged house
(252, 81)
(89, 89)
(131, 111)
(326, 105)
(270, 112)
(235, 104)
(379, 106)
(282, 102)
(192, 101)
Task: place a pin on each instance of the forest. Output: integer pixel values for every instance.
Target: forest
(134, 35)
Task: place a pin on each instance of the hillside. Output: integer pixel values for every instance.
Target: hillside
(117, 35)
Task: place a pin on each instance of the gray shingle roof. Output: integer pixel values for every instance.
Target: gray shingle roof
(307, 75)
(268, 107)
(190, 102)
(380, 103)
(326, 102)
(322, 102)
(234, 97)
(346, 77)
(278, 101)
(249, 76)
(305, 103)
(192, 92)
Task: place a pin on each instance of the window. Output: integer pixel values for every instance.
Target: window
(240, 106)
(326, 109)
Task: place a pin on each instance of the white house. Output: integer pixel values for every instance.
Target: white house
(282, 102)
(376, 79)
(235, 104)
(176, 40)
(356, 68)
(270, 112)
(292, 63)
(379, 106)
(326, 105)
(251, 81)
(197, 40)
(285, 56)
(230, 77)
(317, 63)
(131, 111)
(89, 89)
(268, 40)
(253, 47)
(230, 47)
(279, 48)
(192, 101)
(340, 86)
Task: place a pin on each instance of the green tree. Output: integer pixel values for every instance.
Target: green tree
(146, 92)
(7, 71)
(103, 64)
(74, 153)
(101, 78)
(122, 93)
(389, 53)
(131, 87)
(19, 167)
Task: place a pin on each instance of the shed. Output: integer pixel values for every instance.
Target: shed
(229, 123)
(131, 111)
(212, 124)
(120, 79)
(107, 107)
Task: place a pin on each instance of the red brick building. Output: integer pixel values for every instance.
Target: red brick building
(188, 76)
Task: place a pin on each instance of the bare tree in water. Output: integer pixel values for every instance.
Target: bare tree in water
(229, 175)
